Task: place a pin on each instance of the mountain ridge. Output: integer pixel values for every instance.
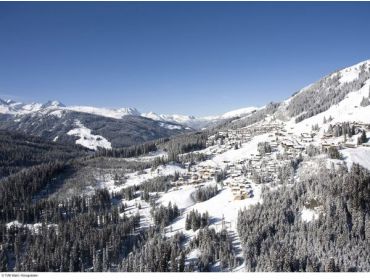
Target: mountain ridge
(13, 107)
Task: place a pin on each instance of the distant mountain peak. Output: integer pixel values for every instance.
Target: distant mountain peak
(10, 101)
(53, 103)
(131, 111)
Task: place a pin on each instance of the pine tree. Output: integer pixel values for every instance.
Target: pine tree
(363, 137)
(182, 262)
(187, 222)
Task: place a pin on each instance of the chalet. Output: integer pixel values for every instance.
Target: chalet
(325, 146)
(299, 147)
(239, 195)
(327, 135)
(273, 145)
(287, 145)
(306, 138)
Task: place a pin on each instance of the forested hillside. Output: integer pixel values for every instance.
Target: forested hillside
(276, 238)
(18, 151)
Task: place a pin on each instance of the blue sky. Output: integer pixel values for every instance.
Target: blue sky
(189, 58)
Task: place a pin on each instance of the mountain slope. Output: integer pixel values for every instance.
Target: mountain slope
(54, 123)
(341, 96)
(18, 151)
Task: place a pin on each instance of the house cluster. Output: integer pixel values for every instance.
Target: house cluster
(328, 139)
(196, 175)
(241, 189)
(266, 128)
(241, 174)
(228, 139)
(307, 137)
(237, 181)
(258, 168)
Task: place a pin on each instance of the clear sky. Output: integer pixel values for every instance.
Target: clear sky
(190, 58)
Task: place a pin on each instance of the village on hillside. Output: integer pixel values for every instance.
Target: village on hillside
(279, 148)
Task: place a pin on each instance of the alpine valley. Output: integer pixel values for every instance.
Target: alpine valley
(283, 187)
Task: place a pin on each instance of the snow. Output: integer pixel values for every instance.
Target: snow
(244, 152)
(360, 155)
(239, 112)
(193, 255)
(222, 206)
(33, 107)
(13, 224)
(348, 110)
(144, 211)
(167, 170)
(170, 126)
(351, 73)
(110, 113)
(149, 157)
(4, 109)
(33, 227)
(198, 122)
(17, 108)
(137, 178)
(181, 119)
(56, 113)
(53, 104)
(87, 139)
(308, 215)
(182, 197)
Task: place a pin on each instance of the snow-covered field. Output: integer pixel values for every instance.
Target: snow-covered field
(221, 207)
(150, 156)
(137, 178)
(170, 126)
(87, 139)
(360, 155)
(232, 155)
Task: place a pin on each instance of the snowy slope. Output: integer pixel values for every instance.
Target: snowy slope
(13, 107)
(347, 110)
(87, 139)
(111, 113)
(239, 112)
(360, 155)
(351, 73)
(199, 122)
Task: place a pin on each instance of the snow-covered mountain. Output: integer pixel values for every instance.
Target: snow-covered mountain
(95, 127)
(90, 127)
(341, 96)
(57, 108)
(200, 122)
